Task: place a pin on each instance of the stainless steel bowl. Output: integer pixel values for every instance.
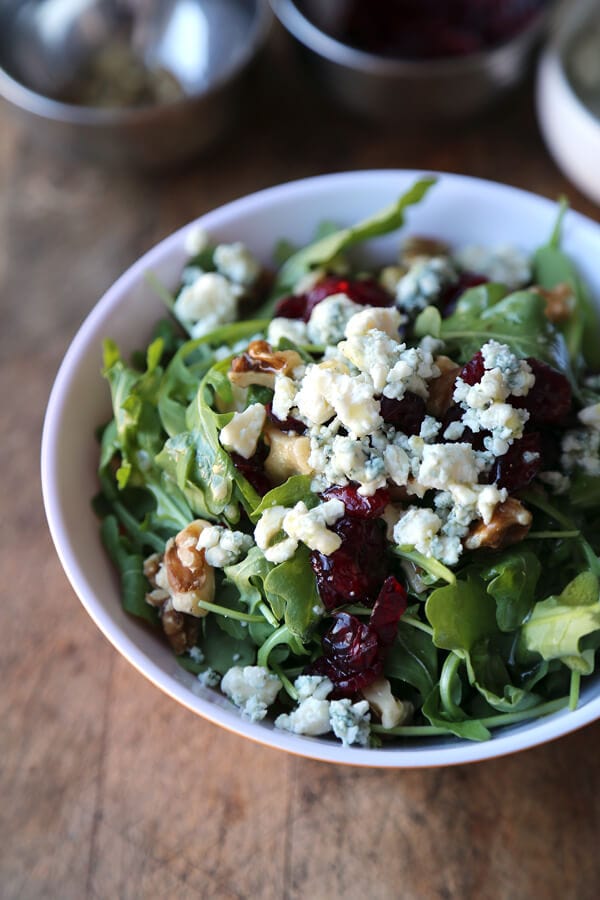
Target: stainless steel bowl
(406, 90)
(207, 46)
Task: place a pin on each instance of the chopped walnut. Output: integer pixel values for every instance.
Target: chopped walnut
(260, 363)
(441, 388)
(390, 710)
(509, 524)
(560, 301)
(185, 574)
(417, 247)
(181, 629)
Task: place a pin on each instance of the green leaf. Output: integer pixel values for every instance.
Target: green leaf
(248, 576)
(488, 674)
(294, 582)
(130, 567)
(324, 250)
(222, 651)
(461, 614)
(512, 581)
(470, 729)
(558, 624)
(294, 490)
(584, 491)
(414, 659)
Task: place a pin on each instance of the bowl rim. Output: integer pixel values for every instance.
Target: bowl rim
(399, 756)
(312, 37)
(25, 98)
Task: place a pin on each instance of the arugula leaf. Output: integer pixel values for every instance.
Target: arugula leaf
(329, 246)
(558, 624)
(471, 729)
(413, 658)
(551, 267)
(461, 614)
(294, 583)
(130, 567)
(295, 489)
(512, 580)
(488, 673)
(517, 320)
(222, 651)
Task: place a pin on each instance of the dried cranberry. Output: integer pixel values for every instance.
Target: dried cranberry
(291, 307)
(366, 292)
(289, 424)
(513, 470)
(406, 414)
(472, 372)
(391, 603)
(454, 292)
(353, 651)
(253, 469)
(355, 572)
(356, 505)
(549, 400)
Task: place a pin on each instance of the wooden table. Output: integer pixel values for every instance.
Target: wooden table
(108, 788)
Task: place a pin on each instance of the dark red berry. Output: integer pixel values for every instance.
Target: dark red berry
(353, 650)
(520, 464)
(472, 372)
(366, 292)
(405, 415)
(253, 469)
(390, 605)
(291, 307)
(289, 424)
(549, 400)
(356, 505)
(355, 572)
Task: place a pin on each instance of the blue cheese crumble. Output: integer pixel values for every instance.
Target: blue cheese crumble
(505, 264)
(350, 722)
(223, 547)
(252, 688)
(424, 283)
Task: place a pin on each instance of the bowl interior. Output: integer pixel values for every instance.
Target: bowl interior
(458, 209)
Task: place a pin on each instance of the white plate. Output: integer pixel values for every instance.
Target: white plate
(459, 209)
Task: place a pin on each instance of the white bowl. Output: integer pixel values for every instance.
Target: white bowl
(460, 209)
(570, 129)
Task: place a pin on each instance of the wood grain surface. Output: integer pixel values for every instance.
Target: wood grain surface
(109, 789)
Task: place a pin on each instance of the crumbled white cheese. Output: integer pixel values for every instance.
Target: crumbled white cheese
(327, 390)
(293, 330)
(241, 434)
(310, 525)
(284, 396)
(505, 264)
(445, 464)
(209, 301)
(581, 450)
(209, 678)
(269, 535)
(350, 722)
(424, 283)
(317, 686)
(556, 481)
(252, 688)
(590, 416)
(329, 318)
(236, 263)
(196, 240)
(310, 717)
(387, 319)
(223, 547)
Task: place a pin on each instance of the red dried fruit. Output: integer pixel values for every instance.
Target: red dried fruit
(520, 464)
(353, 650)
(289, 424)
(355, 572)
(472, 372)
(549, 400)
(253, 469)
(405, 415)
(366, 292)
(356, 505)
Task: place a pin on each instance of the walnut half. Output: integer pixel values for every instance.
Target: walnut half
(260, 363)
(509, 524)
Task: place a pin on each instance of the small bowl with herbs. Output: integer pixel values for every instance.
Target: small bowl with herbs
(336, 487)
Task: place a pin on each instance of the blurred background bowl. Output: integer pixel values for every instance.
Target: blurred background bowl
(145, 82)
(568, 95)
(394, 88)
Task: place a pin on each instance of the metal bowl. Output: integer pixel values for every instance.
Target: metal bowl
(206, 47)
(399, 90)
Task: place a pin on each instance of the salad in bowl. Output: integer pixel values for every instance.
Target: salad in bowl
(359, 497)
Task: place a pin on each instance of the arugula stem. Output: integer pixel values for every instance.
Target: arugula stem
(574, 690)
(544, 709)
(447, 678)
(416, 623)
(280, 636)
(431, 566)
(287, 684)
(228, 613)
(554, 534)
(268, 615)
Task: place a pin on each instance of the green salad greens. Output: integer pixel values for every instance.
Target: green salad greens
(364, 501)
